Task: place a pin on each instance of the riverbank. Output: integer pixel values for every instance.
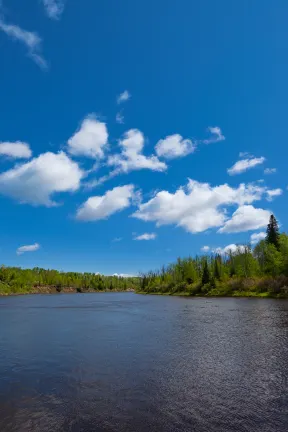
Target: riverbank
(236, 294)
(265, 287)
(55, 290)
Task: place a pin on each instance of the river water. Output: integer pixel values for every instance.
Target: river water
(126, 362)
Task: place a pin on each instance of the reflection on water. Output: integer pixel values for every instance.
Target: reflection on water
(124, 362)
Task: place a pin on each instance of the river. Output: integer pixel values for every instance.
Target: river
(127, 362)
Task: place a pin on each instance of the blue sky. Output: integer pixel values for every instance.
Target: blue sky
(132, 133)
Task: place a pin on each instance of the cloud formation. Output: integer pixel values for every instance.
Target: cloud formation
(54, 8)
(16, 150)
(36, 181)
(131, 157)
(123, 97)
(205, 248)
(230, 249)
(174, 146)
(273, 193)
(146, 236)
(216, 135)
(29, 248)
(245, 164)
(101, 207)
(199, 206)
(256, 237)
(246, 218)
(90, 140)
(29, 39)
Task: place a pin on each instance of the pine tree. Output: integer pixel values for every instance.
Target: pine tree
(272, 233)
(206, 274)
(217, 274)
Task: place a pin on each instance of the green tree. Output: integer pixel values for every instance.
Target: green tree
(272, 236)
(206, 274)
(217, 264)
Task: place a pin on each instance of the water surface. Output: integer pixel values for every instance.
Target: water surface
(125, 362)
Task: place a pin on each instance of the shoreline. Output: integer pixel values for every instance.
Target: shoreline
(237, 294)
(66, 290)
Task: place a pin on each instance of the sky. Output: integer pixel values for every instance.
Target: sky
(132, 133)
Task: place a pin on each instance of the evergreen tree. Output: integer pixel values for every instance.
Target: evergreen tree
(217, 273)
(272, 236)
(206, 274)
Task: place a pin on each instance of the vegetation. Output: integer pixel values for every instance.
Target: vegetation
(262, 271)
(14, 280)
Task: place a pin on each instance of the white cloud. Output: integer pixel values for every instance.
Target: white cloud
(246, 218)
(31, 40)
(273, 193)
(101, 207)
(90, 140)
(232, 248)
(17, 150)
(216, 135)
(270, 170)
(245, 164)
(120, 118)
(146, 236)
(131, 157)
(123, 275)
(123, 97)
(28, 248)
(205, 249)
(54, 8)
(174, 146)
(256, 237)
(198, 206)
(34, 182)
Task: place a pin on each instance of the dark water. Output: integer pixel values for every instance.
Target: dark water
(123, 362)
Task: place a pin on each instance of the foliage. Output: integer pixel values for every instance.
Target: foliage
(259, 272)
(273, 235)
(14, 280)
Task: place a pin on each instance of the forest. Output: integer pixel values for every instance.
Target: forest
(261, 271)
(14, 280)
(258, 272)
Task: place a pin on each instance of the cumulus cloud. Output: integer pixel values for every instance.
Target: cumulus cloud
(270, 170)
(273, 193)
(36, 181)
(256, 237)
(232, 248)
(198, 206)
(205, 249)
(123, 97)
(101, 207)
(54, 8)
(245, 164)
(90, 140)
(146, 236)
(31, 41)
(131, 157)
(16, 150)
(29, 248)
(246, 218)
(216, 135)
(174, 146)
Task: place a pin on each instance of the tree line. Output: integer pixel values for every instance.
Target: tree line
(262, 271)
(15, 280)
